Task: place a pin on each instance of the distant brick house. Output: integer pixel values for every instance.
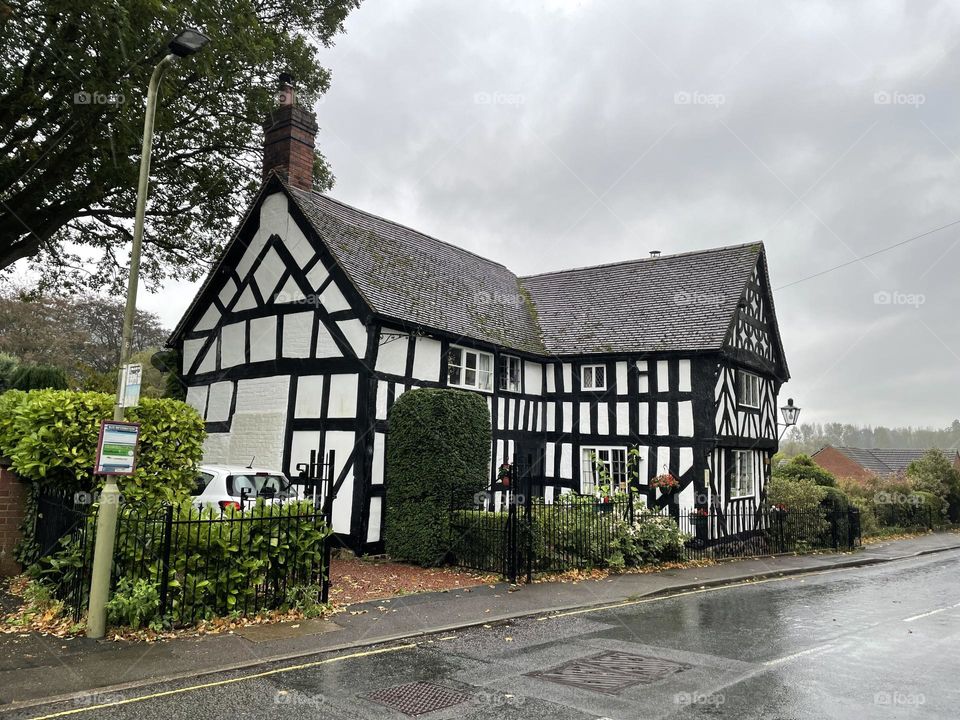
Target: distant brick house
(863, 463)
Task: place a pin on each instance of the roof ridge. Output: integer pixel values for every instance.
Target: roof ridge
(688, 253)
(400, 225)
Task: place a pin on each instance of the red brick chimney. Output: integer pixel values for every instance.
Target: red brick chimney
(288, 139)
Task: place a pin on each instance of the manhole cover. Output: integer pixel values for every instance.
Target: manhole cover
(611, 672)
(418, 698)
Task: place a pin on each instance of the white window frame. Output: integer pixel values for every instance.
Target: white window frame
(507, 362)
(616, 466)
(748, 389)
(584, 385)
(483, 379)
(743, 482)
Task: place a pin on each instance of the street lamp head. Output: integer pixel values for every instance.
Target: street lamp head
(790, 413)
(188, 42)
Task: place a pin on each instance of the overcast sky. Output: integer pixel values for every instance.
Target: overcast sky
(562, 134)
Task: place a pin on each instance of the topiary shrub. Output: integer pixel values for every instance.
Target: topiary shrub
(38, 377)
(437, 458)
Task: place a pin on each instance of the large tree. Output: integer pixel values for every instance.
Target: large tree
(73, 78)
(81, 334)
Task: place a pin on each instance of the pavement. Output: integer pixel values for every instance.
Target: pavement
(37, 670)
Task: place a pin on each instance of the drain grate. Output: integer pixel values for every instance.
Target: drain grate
(417, 698)
(611, 672)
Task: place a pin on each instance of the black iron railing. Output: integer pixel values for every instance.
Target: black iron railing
(520, 536)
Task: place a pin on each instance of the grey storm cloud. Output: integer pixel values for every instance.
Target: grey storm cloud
(560, 134)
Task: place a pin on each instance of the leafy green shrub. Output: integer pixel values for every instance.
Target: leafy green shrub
(438, 451)
(835, 499)
(135, 604)
(51, 436)
(8, 363)
(802, 467)
(38, 377)
(794, 494)
(478, 538)
(933, 473)
(218, 564)
(652, 539)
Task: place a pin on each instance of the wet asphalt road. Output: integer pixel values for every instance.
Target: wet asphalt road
(878, 642)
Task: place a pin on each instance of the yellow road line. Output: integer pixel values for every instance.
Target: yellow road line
(628, 603)
(218, 683)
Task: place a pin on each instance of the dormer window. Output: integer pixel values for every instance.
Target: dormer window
(593, 377)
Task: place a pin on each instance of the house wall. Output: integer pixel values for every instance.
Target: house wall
(285, 359)
(277, 364)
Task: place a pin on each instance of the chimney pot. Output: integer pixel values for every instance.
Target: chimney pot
(654, 253)
(289, 134)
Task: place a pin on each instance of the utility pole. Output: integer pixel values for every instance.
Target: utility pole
(186, 43)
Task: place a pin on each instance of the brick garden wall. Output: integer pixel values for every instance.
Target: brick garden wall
(13, 496)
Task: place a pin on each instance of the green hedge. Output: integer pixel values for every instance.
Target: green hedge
(50, 437)
(219, 565)
(437, 458)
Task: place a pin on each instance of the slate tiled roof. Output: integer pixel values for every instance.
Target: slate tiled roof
(682, 302)
(674, 302)
(412, 277)
(885, 462)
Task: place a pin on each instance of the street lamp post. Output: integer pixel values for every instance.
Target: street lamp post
(791, 413)
(188, 42)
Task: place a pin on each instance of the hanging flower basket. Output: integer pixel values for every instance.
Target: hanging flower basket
(666, 482)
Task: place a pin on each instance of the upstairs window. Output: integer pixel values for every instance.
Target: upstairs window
(469, 369)
(748, 390)
(510, 373)
(742, 483)
(593, 377)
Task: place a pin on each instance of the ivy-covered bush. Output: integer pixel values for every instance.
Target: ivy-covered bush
(50, 437)
(437, 458)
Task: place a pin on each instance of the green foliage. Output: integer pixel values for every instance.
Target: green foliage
(51, 436)
(134, 604)
(835, 499)
(307, 599)
(438, 450)
(75, 77)
(801, 467)
(167, 362)
(38, 377)
(579, 534)
(934, 474)
(8, 363)
(652, 539)
(218, 564)
(795, 494)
